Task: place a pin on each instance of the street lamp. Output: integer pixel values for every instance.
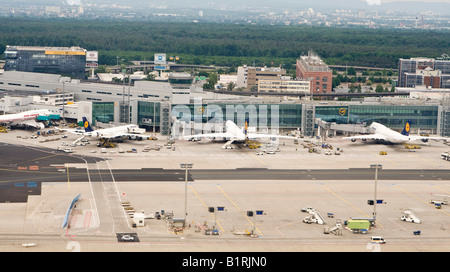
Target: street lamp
(185, 166)
(376, 167)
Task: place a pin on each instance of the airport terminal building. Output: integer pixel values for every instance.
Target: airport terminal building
(69, 61)
(157, 105)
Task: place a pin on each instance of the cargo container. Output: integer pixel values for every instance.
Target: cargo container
(358, 224)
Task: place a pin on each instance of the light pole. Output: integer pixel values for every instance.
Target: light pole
(185, 166)
(376, 167)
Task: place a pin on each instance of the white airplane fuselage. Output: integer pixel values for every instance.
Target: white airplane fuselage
(26, 115)
(112, 132)
(391, 135)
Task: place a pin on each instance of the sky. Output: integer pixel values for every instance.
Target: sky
(398, 5)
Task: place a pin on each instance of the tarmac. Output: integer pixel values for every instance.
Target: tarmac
(274, 186)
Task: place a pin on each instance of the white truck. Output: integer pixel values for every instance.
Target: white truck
(445, 156)
(442, 202)
(410, 216)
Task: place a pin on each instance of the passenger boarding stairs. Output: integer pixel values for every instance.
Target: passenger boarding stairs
(315, 217)
(411, 216)
(337, 230)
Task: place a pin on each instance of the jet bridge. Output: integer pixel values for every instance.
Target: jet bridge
(330, 128)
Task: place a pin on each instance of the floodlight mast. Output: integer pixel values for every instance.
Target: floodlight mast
(185, 166)
(376, 167)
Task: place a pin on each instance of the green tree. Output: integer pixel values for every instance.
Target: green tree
(351, 71)
(379, 89)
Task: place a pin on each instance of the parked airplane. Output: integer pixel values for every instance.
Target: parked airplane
(26, 118)
(235, 134)
(132, 132)
(382, 133)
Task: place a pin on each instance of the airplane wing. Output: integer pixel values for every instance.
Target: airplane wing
(74, 131)
(369, 136)
(209, 135)
(426, 138)
(120, 135)
(28, 123)
(257, 136)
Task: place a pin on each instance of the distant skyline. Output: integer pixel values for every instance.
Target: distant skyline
(441, 6)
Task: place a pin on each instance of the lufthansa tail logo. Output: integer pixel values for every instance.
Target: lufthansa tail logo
(86, 124)
(407, 127)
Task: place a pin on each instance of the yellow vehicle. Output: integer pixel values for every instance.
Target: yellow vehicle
(409, 146)
(253, 145)
(383, 152)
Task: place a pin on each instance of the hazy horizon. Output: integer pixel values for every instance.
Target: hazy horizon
(438, 6)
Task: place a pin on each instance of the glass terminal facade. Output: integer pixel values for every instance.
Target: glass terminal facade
(149, 113)
(423, 117)
(392, 116)
(103, 112)
(289, 115)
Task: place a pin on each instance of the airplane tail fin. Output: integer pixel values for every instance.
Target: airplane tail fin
(87, 125)
(246, 127)
(407, 127)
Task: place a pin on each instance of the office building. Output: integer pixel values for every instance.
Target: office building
(68, 61)
(429, 72)
(284, 85)
(311, 67)
(248, 77)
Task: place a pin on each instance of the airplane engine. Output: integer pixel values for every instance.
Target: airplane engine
(139, 138)
(425, 140)
(364, 140)
(353, 140)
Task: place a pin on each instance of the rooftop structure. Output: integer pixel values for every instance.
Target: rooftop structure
(313, 63)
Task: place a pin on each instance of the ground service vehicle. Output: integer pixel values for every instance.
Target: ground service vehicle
(377, 240)
(410, 216)
(441, 202)
(358, 224)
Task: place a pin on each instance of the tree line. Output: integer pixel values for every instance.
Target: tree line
(226, 44)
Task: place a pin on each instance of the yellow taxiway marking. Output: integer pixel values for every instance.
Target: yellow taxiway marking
(426, 160)
(199, 198)
(382, 156)
(348, 203)
(443, 190)
(239, 209)
(427, 203)
(256, 158)
(53, 155)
